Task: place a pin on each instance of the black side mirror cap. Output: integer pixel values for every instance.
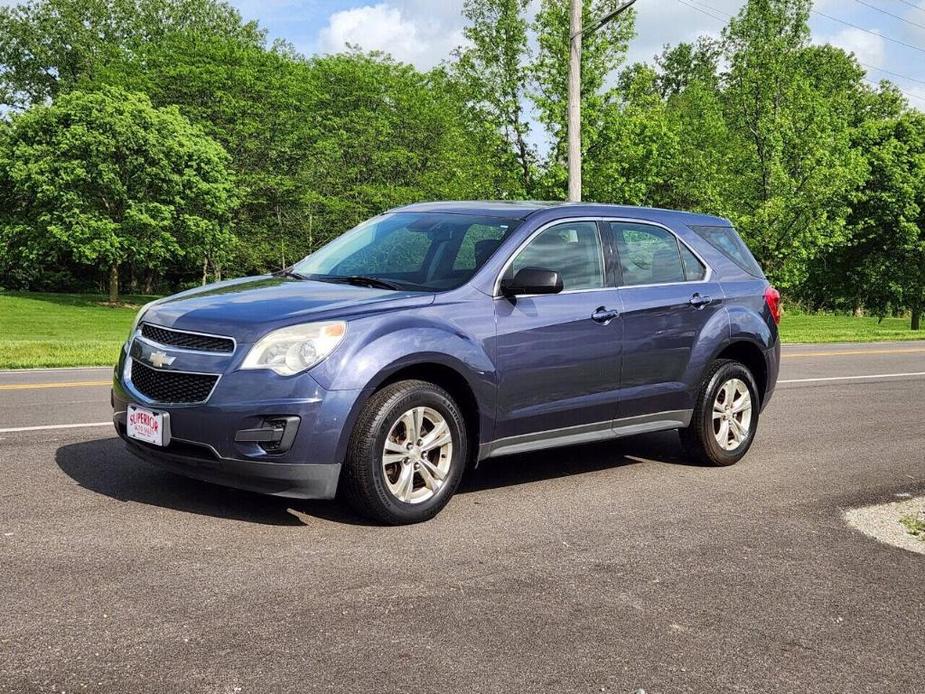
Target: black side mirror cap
(532, 280)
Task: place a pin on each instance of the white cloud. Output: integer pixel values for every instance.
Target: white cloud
(867, 48)
(661, 23)
(410, 35)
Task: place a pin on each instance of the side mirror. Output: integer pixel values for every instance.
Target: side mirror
(532, 280)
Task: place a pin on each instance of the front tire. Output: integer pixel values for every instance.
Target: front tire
(725, 417)
(406, 454)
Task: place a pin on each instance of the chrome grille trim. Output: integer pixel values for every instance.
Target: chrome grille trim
(227, 338)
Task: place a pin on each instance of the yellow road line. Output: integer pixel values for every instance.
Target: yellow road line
(67, 384)
(853, 352)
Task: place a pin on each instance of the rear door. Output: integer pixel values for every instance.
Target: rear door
(668, 298)
(558, 354)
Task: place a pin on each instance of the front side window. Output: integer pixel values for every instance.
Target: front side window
(651, 255)
(421, 251)
(573, 249)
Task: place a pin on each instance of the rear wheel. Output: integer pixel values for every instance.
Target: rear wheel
(406, 455)
(725, 417)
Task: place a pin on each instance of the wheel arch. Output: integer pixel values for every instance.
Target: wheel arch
(752, 357)
(469, 392)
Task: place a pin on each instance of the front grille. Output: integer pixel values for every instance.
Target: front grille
(171, 386)
(177, 338)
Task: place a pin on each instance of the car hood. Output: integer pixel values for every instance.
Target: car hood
(249, 307)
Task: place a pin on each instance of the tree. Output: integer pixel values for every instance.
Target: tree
(881, 265)
(631, 161)
(494, 71)
(49, 46)
(258, 104)
(602, 52)
(790, 137)
(686, 64)
(107, 179)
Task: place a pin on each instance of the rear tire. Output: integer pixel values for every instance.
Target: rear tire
(725, 417)
(406, 455)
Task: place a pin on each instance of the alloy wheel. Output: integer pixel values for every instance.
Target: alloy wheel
(417, 455)
(732, 414)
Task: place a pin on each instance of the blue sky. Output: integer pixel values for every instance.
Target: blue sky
(423, 32)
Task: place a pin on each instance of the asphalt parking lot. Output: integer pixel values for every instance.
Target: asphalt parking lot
(603, 568)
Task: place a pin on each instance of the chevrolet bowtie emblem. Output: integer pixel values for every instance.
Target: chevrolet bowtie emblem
(160, 359)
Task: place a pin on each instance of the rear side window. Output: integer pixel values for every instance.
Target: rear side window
(694, 270)
(651, 255)
(728, 242)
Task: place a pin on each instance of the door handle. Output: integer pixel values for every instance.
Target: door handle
(604, 315)
(698, 301)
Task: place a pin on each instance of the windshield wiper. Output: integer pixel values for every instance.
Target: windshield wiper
(361, 281)
(289, 272)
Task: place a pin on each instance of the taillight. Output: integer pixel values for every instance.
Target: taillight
(772, 299)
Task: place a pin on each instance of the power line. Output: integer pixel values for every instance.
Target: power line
(890, 72)
(890, 14)
(868, 31)
(904, 93)
(871, 67)
(840, 21)
(708, 14)
(912, 5)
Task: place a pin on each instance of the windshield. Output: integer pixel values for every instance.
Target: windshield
(421, 251)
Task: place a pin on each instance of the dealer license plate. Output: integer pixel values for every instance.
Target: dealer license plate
(145, 425)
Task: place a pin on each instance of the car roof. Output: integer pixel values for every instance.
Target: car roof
(521, 209)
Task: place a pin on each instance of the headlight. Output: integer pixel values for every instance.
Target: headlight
(290, 350)
(138, 317)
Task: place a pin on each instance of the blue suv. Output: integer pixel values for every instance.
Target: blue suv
(438, 335)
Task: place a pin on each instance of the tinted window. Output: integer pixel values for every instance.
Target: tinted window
(693, 269)
(572, 249)
(727, 242)
(479, 242)
(648, 255)
(428, 251)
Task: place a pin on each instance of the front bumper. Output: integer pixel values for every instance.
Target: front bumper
(206, 440)
(294, 480)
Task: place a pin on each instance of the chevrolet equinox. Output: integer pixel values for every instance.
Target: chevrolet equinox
(437, 335)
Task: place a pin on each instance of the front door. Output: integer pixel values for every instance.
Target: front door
(668, 300)
(558, 355)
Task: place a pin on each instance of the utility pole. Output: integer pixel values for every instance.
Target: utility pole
(574, 90)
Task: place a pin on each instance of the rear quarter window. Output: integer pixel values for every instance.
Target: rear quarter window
(727, 241)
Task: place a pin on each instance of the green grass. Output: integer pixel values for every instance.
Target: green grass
(83, 330)
(915, 525)
(811, 327)
(63, 329)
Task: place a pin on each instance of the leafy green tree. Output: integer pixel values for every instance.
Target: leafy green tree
(631, 161)
(493, 70)
(790, 137)
(602, 52)
(107, 179)
(881, 265)
(48, 46)
(389, 135)
(258, 104)
(681, 66)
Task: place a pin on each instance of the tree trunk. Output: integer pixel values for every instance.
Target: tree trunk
(916, 318)
(113, 283)
(205, 269)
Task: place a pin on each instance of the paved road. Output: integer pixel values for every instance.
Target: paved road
(609, 567)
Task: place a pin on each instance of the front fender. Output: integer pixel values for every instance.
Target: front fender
(378, 350)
